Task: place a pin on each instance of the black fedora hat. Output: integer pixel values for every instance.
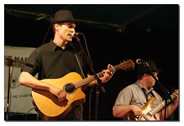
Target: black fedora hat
(63, 16)
(142, 68)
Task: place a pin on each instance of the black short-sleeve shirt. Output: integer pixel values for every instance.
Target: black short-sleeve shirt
(51, 61)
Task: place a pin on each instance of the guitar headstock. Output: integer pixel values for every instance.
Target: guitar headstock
(125, 65)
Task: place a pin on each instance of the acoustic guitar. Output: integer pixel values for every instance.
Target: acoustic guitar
(71, 83)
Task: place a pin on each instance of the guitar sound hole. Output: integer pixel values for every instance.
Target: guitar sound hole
(69, 88)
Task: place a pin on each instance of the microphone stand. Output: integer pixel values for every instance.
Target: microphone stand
(10, 64)
(164, 89)
(99, 85)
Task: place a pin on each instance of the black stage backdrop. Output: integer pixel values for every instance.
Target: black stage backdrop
(152, 33)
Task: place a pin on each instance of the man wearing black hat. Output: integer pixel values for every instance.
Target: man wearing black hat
(56, 59)
(132, 101)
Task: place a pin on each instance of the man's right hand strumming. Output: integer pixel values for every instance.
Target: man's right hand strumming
(59, 93)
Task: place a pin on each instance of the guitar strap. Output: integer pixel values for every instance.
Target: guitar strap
(78, 60)
(146, 93)
(79, 65)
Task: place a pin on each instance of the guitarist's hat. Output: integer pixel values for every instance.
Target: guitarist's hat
(63, 16)
(146, 67)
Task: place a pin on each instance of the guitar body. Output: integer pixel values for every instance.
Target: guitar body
(50, 106)
(145, 110)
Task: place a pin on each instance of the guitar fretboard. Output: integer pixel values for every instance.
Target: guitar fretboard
(90, 79)
(160, 106)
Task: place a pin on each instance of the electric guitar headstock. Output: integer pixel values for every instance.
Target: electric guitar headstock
(124, 65)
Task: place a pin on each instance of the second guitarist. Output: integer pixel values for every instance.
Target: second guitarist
(132, 100)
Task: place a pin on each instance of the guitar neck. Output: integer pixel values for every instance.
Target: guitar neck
(160, 106)
(125, 65)
(91, 78)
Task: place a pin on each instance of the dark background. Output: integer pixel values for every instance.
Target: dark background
(114, 33)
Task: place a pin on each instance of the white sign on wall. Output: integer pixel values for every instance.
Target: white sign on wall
(20, 96)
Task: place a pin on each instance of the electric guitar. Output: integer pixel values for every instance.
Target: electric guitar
(148, 112)
(71, 83)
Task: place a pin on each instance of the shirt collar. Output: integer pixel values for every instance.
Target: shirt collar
(141, 87)
(54, 47)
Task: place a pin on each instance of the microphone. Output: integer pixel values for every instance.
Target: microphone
(142, 61)
(75, 34)
(139, 61)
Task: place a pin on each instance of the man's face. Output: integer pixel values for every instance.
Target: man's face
(150, 80)
(66, 30)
